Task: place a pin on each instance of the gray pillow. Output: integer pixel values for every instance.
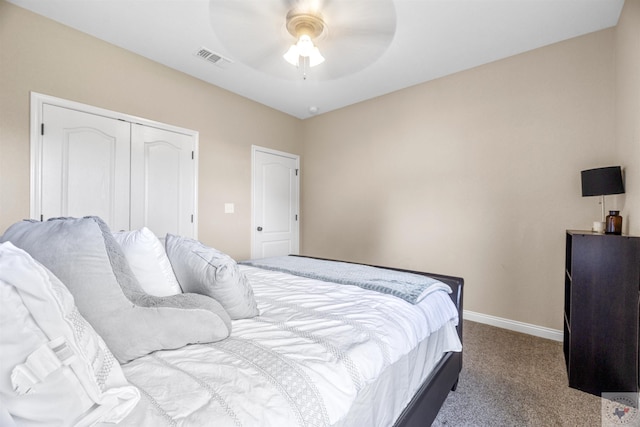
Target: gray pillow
(205, 270)
(83, 254)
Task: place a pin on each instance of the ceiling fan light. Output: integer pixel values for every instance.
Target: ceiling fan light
(305, 45)
(315, 58)
(292, 56)
(304, 48)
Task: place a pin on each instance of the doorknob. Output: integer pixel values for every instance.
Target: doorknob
(259, 228)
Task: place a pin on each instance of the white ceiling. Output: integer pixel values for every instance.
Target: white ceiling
(433, 38)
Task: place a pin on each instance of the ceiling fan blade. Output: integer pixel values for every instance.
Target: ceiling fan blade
(245, 18)
(313, 6)
(360, 13)
(247, 28)
(249, 9)
(358, 35)
(266, 55)
(364, 54)
(348, 32)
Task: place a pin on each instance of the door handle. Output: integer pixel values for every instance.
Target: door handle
(259, 228)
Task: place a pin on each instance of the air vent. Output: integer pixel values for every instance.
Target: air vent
(213, 57)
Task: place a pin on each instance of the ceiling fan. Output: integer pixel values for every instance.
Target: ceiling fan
(285, 38)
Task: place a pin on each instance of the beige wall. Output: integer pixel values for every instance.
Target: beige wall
(43, 56)
(628, 112)
(476, 174)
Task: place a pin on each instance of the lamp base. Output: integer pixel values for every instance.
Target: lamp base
(598, 227)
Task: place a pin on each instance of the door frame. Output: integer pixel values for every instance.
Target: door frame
(36, 120)
(254, 149)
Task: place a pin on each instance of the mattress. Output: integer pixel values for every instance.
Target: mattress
(319, 354)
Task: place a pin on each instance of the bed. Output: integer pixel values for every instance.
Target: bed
(319, 352)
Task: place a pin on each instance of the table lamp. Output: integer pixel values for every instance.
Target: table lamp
(601, 182)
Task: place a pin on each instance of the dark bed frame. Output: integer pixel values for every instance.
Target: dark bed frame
(426, 403)
(428, 400)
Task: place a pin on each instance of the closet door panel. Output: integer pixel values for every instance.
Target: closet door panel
(85, 166)
(162, 181)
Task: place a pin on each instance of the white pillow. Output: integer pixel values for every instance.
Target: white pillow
(54, 368)
(148, 260)
(207, 271)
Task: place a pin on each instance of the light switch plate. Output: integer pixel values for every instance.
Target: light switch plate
(229, 208)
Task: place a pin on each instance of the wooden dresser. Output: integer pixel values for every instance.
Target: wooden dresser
(601, 312)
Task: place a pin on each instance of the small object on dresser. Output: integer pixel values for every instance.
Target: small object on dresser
(598, 227)
(614, 223)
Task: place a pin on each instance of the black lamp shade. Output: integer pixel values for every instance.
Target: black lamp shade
(602, 181)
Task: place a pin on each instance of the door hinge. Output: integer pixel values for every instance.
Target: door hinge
(193, 155)
(41, 217)
(41, 128)
(191, 218)
(296, 217)
(297, 172)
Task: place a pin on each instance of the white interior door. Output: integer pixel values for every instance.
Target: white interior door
(163, 183)
(275, 203)
(85, 166)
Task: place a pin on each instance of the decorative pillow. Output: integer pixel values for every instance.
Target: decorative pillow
(83, 254)
(149, 262)
(204, 270)
(55, 369)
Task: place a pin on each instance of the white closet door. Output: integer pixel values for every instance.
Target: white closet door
(163, 181)
(85, 166)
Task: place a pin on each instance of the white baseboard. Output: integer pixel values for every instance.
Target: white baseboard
(513, 325)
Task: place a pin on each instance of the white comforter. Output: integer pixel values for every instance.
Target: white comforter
(303, 361)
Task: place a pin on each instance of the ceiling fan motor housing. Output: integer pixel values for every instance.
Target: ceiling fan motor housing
(300, 24)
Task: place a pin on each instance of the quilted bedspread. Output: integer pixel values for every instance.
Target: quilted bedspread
(301, 362)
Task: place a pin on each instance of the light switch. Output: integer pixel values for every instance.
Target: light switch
(229, 208)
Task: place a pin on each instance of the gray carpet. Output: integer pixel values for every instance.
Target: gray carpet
(514, 379)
